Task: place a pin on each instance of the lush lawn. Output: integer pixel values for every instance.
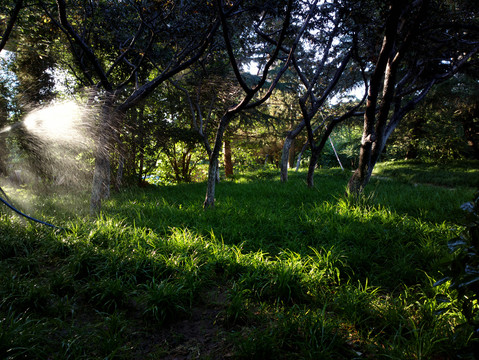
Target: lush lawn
(273, 271)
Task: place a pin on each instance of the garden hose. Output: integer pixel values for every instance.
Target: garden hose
(7, 203)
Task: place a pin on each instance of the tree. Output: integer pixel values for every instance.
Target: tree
(445, 125)
(325, 77)
(420, 48)
(117, 45)
(328, 49)
(268, 14)
(10, 22)
(208, 89)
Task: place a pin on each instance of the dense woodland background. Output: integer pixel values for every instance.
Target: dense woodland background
(337, 142)
(255, 82)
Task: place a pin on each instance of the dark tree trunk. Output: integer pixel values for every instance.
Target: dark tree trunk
(227, 161)
(119, 173)
(383, 77)
(11, 23)
(471, 129)
(292, 153)
(101, 174)
(140, 168)
(141, 145)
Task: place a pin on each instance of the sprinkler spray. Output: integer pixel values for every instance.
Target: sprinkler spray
(4, 198)
(58, 132)
(11, 127)
(7, 202)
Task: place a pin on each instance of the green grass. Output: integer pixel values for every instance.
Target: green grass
(452, 175)
(273, 271)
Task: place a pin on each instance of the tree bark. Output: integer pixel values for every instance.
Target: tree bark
(227, 162)
(312, 165)
(213, 173)
(292, 153)
(318, 149)
(11, 23)
(361, 176)
(101, 174)
(284, 165)
(288, 141)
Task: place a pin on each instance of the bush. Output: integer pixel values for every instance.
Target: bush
(463, 269)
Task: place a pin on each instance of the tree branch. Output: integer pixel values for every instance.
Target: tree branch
(11, 23)
(150, 86)
(229, 50)
(83, 45)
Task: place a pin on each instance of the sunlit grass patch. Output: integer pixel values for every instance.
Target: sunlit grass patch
(452, 175)
(295, 273)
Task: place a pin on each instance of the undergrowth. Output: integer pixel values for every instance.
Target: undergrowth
(274, 270)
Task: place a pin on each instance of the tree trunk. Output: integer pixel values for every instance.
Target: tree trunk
(300, 155)
(140, 167)
(383, 77)
(228, 164)
(210, 187)
(119, 173)
(317, 150)
(101, 177)
(101, 174)
(285, 158)
(288, 142)
(312, 166)
(141, 143)
(213, 169)
(292, 153)
(217, 179)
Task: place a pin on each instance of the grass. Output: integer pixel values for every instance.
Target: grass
(273, 271)
(453, 175)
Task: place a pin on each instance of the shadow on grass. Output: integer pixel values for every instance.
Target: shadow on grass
(302, 272)
(99, 286)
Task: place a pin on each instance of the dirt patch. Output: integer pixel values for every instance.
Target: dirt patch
(198, 337)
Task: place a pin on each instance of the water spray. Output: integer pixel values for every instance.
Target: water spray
(4, 198)
(8, 204)
(64, 127)
(11, 127)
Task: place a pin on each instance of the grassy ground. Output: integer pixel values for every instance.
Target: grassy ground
(273, 271)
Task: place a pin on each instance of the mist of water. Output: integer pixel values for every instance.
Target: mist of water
(59, 143)
(63, 123)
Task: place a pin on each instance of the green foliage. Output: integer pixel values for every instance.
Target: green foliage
(463, 269)
(246, 158)
(165, 301)
(346, 142)
(178, 163)
(444, 127)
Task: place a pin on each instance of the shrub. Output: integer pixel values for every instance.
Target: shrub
(463, 269)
